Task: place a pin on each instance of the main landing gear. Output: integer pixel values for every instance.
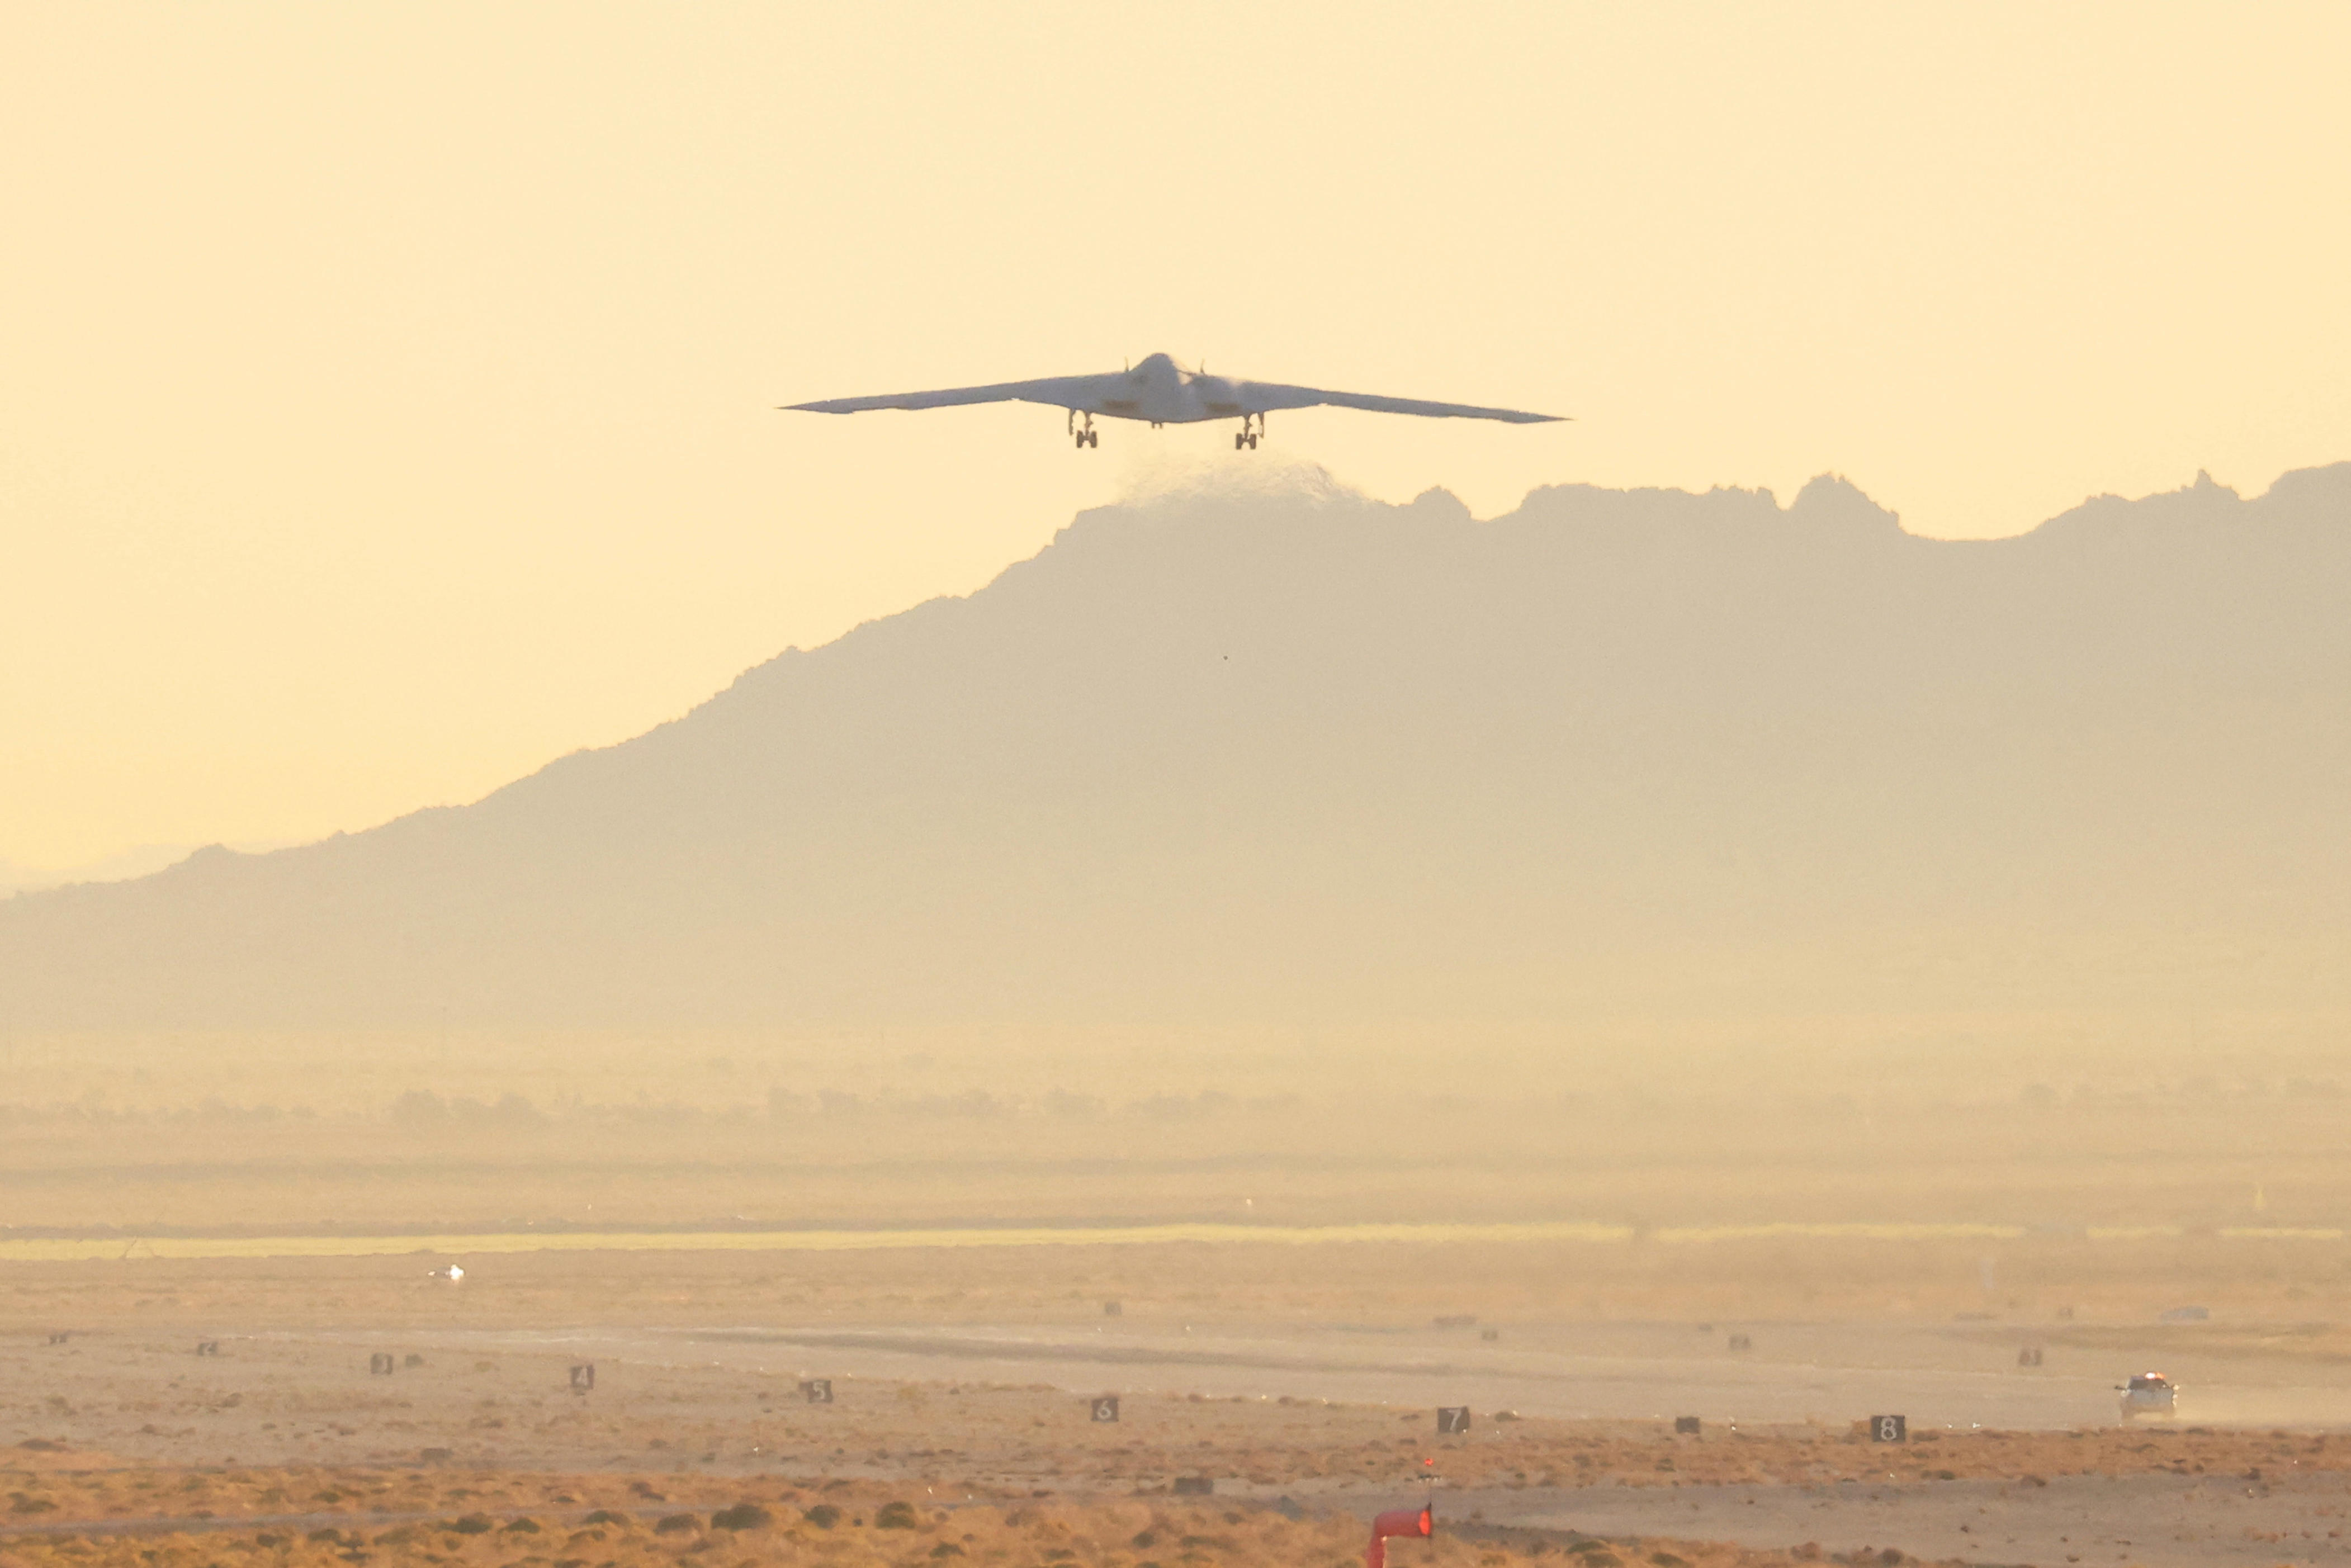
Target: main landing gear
(1247, 436)
(1087, 436)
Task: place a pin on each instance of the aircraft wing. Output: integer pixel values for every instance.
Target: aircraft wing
(1257, 397)
(1059, 391)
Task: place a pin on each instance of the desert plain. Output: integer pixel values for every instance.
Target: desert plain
(1281, 1273)
(163, 1410)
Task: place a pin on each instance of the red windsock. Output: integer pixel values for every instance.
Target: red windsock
(1397, 1521)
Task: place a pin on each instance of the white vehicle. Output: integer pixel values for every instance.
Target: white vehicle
(1160, 392)
(2149, 1394)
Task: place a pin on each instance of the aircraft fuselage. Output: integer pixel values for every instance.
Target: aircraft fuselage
(1163, 393)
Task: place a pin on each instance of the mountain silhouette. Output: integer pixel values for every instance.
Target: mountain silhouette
(1298, 757)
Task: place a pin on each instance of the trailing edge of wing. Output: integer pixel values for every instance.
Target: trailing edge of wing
(1061, 391)
(1259, 397)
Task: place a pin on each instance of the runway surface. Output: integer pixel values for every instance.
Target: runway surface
(70, 1249)
(2160, 1520)
(1957, 1376)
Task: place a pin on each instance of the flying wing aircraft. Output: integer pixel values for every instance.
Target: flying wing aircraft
(1162, 392)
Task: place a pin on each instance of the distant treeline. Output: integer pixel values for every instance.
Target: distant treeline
(422, 1111)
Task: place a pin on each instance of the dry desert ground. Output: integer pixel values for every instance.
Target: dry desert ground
(1300, 1381)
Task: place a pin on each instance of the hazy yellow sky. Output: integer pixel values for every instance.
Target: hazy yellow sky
(389, 390)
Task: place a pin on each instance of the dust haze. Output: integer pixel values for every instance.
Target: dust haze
(1693, 988)
(1645, 954)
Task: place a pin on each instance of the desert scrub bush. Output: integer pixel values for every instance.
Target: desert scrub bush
(896, 1516)
(742, 1516)
(824, 1516)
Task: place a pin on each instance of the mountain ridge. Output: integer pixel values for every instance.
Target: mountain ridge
(1294, 753)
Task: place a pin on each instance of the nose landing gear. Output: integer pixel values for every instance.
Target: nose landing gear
(1247, 437)
(1089, 435)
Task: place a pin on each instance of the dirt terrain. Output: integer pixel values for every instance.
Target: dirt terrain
(116, 1398)
(1296, 1381)
(525, 1521)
